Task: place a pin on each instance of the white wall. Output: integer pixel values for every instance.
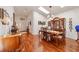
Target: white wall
(30, 19)
(4, 29)
(22, 24)
(35, 27)
(34, 17)
(74, 14)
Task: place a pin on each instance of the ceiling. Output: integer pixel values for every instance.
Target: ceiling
(26, 10)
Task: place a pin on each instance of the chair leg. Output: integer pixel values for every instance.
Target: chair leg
(56, 42)
(48, 37)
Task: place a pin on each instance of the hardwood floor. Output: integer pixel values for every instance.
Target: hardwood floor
(70, 46)
(32, 43)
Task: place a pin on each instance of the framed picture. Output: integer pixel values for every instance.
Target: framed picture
(70, 24)
(41, 23)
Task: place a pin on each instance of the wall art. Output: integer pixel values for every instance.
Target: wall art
(70, 24)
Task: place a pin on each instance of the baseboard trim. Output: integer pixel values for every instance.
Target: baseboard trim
(71, 38)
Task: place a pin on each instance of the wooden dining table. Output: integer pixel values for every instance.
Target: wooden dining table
(47, 33)
(57, 37)
(51, 32)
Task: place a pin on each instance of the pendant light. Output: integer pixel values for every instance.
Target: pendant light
(50, 11)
